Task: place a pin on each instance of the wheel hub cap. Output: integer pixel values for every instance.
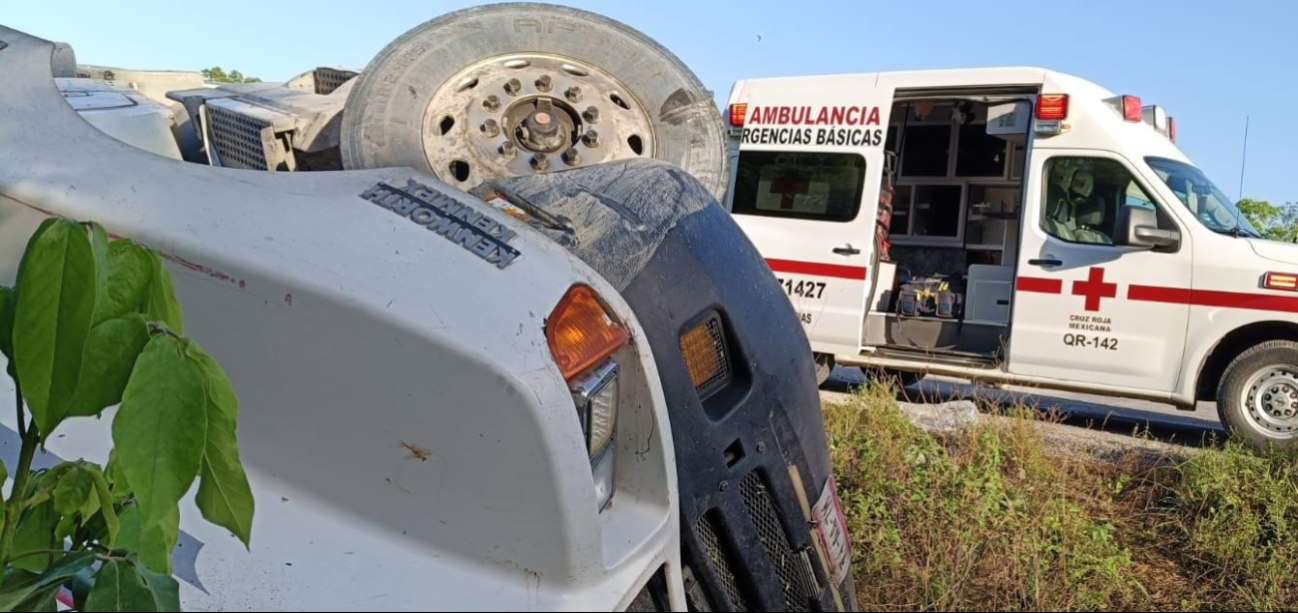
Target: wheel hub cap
(503, 116)
(1271, 398)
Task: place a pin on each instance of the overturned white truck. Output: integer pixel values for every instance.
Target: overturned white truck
(562, 391)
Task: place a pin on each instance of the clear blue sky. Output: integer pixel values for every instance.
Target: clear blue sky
(1209, 63)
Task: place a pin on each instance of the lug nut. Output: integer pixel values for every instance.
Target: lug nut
(540, 162)
(490, 128)
(591, 138)
(544, 83)
(507, 149)
(573, 94)
(492, 103)
(571, 157)
(513, 87)
(591, 115)
(725, 486)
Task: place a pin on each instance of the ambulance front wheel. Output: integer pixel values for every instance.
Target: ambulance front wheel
(1258, 396)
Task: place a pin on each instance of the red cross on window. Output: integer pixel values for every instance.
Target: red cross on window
(789, 188)
(1094, 288)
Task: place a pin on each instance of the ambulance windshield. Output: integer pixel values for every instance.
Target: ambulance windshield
(1205, 200)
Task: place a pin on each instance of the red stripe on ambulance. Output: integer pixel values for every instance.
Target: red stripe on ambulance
(1177, 295)
(1213, 298)
(816, 269)
(1040, 285)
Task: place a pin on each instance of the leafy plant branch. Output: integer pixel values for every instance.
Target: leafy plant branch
(94, 323)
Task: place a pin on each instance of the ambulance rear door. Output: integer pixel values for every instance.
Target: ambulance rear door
(810, 166)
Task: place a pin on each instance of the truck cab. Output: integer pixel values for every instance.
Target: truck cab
(562, 391)
(1019, 226)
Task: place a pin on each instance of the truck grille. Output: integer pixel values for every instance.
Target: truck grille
(718, 562)
(237, 138)
(762, 510)
(328, 79)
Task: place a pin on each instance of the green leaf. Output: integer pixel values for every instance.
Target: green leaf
(82, 583)
(7, 322)
(160, 302)
(4, 476)
(66, 527)
(121, 486)
(111, 351)
(99, 249)
(73, 491)
(56, 301)
(155, 543)
(12, 368)
(159, 432)
(45, 600)
(35, 533)
(104, 495)
(129, 274)
(20, 586)
(165, 589)
(118, 587)
(224, 496)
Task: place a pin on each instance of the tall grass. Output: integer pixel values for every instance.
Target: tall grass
(992, 518)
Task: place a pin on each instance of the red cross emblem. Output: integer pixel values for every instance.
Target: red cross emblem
(1094, 288)
(789, 189)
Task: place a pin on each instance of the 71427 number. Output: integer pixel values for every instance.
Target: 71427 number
(803, 289)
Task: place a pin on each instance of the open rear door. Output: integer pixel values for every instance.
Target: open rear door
(806, 190)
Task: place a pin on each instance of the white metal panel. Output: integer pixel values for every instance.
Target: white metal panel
(352, 334)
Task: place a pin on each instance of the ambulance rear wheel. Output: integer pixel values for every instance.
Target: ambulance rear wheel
(1257, 398)
(824, 367)
(519, 89)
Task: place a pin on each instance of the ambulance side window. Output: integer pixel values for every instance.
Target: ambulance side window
(1083, 196)
(800, 185)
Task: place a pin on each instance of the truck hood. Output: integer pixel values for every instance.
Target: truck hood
(1286, 253)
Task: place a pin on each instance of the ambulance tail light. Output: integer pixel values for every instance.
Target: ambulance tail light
(1171, 128)
(1281, 281)
(1132, 110)
(738, 114)
(1052, 107)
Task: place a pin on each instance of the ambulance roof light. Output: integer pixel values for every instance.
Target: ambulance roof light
(1131, 109)
(1156, 117)
(738, 114)
(1052, 107)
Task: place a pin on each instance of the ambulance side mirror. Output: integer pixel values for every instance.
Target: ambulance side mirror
(1138, 227)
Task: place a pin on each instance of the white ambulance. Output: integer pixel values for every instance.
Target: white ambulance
(1015, 225)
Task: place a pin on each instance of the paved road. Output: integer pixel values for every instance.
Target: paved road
(1113, 414)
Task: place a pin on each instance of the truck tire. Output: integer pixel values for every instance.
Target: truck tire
(1257, 398)
(517, 89)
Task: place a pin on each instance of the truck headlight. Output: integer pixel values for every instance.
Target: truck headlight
(595, 394)
(582, 338)
(596, 397)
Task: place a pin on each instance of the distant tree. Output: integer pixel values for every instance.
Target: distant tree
(216, 74)
(1278, 223)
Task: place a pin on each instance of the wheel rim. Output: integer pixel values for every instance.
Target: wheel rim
(1271, 401)
(523, 114)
